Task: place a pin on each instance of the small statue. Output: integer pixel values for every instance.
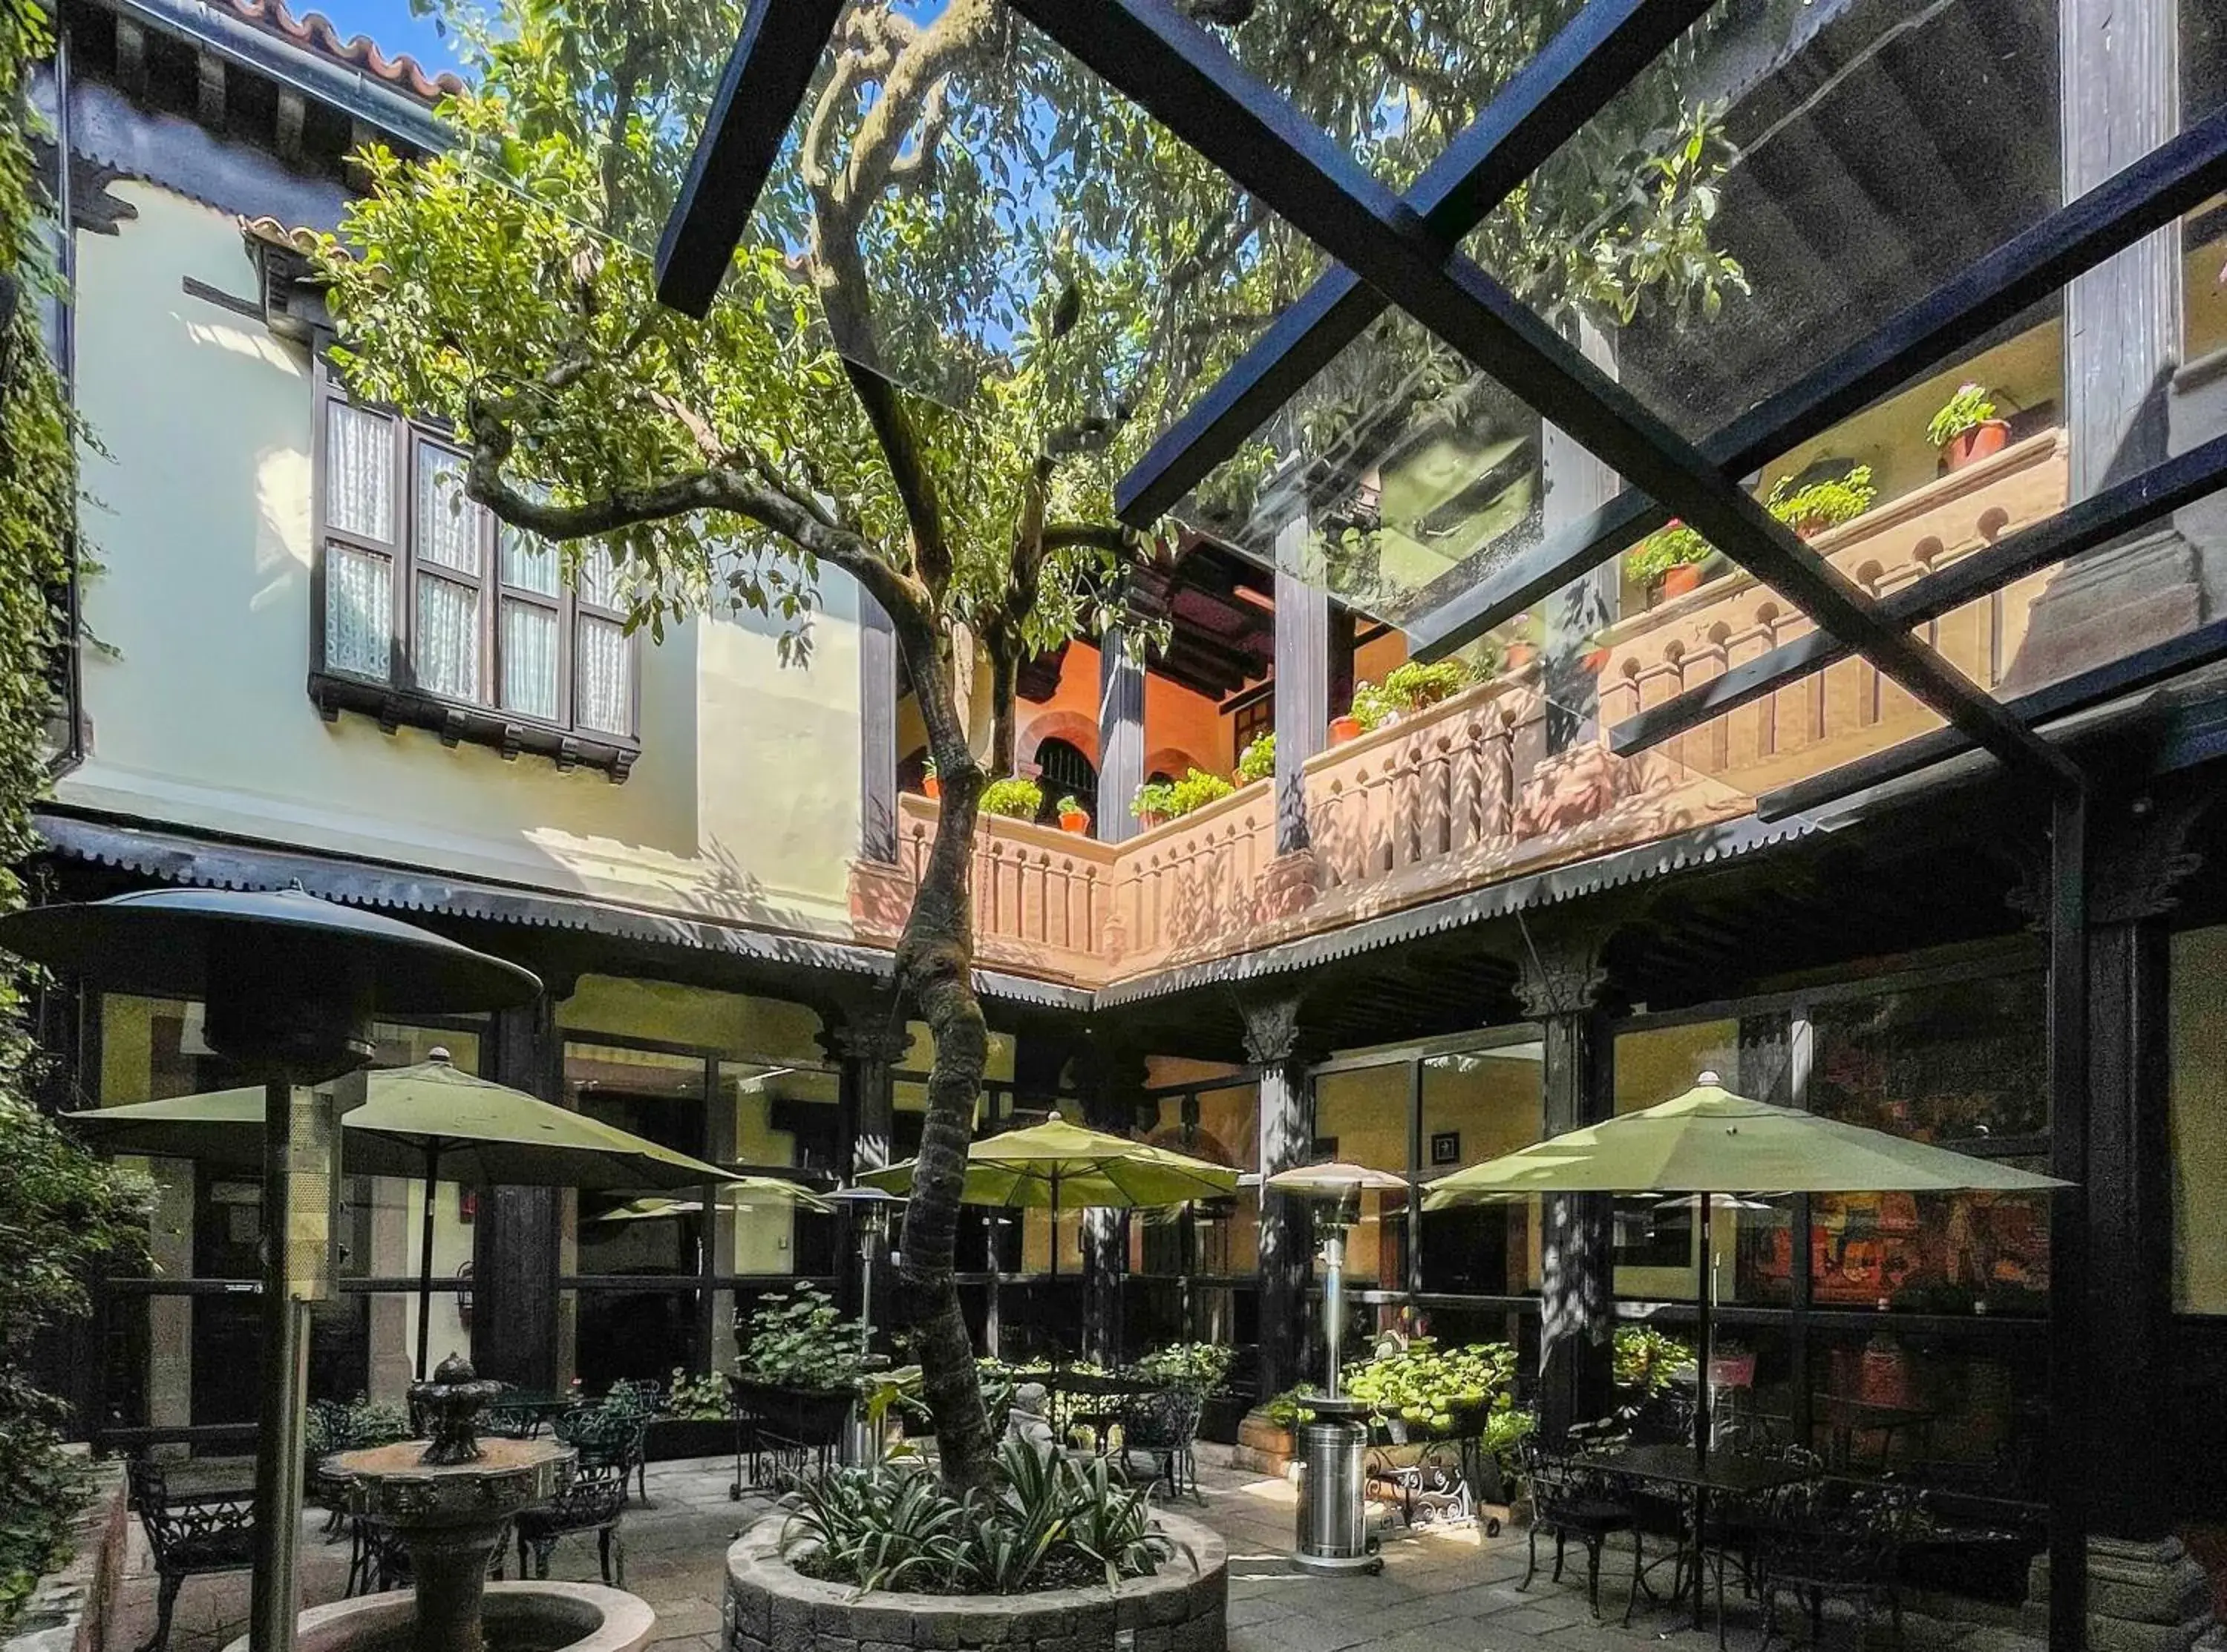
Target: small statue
(1027, 1420)
(449, 1406)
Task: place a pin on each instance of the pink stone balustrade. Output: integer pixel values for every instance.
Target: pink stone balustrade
(1465, 792)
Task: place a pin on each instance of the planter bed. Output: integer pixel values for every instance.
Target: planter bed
(771, 1607)
(673, 1437)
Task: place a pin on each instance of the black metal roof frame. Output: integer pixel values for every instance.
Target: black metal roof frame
(1404, 251)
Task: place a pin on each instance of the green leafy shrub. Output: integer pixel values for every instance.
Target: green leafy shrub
(1968, 409)
(1044, 1521)
(1165, 799)
(1015, 797)
(1431, 1387)
(1643, 1357)
(702, 1398)
(1290, 1408)
(800, 1340)
(1191, 1365)
(1672, 545)
(1258, 760)
(1823, 504)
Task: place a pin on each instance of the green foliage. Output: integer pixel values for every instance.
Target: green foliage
(1432, 1387)
(1043, 1521)
(1170, 800)
(1645, 1358)
(702, 1398)
(1968, 409)
(1823, 504)
(1072, 804)
(1015, 798)
(1410, 687)
(41, 1487)
(358, 1425)
(1672, 545)
(1258, 760)
(799, 1339)
(1289, 1409)
(1193, 1365)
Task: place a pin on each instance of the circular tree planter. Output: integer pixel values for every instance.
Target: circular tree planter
(771, 1607)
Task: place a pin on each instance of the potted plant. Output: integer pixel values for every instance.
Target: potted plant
(802, 1366)
(1522, 642)
(1966, 428)
(1347, 727)
(1816, 505)
(695, 1419)
(1258, 760)
(930, 785)
(1160, 801)
(1073, 817)
(1013, 798)
(1153, 803)
(1668, 561)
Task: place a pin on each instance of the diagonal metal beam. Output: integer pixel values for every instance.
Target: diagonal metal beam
(1181, 75)
(2094, 521)
(2150, 667)
(781, 43)
(2173, 179)
(1568, 82)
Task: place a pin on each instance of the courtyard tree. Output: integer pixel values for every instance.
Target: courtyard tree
(977, 283)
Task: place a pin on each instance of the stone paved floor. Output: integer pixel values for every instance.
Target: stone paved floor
(1439, 1590)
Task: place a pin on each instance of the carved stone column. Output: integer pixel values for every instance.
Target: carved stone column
(1561, 985)
(1274, 1041)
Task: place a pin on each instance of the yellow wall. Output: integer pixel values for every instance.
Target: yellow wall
(745, 804)
(2199, 1121)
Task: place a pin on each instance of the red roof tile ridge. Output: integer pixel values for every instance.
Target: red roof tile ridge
(315, 31)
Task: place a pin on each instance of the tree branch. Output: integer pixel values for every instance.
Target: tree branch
(915, 485)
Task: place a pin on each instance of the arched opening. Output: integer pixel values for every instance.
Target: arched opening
(1064, 771)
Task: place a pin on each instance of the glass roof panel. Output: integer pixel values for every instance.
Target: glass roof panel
(1789, 179)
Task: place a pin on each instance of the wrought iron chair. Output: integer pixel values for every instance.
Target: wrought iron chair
(1571, 1500)
(191, 1534)
(783, 1433)
(612, 1434)
(1838, 1541)
(1733, 1525)
(595, 1501)
(1162, 1426)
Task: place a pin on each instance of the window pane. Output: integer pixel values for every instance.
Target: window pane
(360, 471)
(359, 613)
(529, 562)
(448, 641)
(1477, 1105)
(2198, 1102)
(529, 658)
(597, 580)
(448, 523)
(604, 690)
(1360, 1117)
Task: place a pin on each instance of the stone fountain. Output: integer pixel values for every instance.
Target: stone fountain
(451, 1499)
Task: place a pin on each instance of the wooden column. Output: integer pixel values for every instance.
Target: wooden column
(1120, 731)
(518, 1235)
(878, 733)
(1576, 484)
(1560, 983)
(867, 1047)
(1301, 682)
(1286, 1234)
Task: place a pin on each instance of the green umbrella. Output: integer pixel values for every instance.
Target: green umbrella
(426, 1120)
(755, 1191)
(1711, 1141)
(1056, 1165)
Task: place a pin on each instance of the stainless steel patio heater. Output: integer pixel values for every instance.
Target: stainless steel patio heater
(1333, 1525)
(291, 984)
(872, 1210)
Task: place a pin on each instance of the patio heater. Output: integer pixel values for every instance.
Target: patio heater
(1333, 1523)
(291, 984)
(872, 1210)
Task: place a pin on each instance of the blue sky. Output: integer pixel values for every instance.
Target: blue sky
(390, 23)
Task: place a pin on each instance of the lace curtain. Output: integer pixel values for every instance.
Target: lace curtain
(359, 612)
(529, 658)
(448, 523)
(528, 563)
(604, 691)
(448, 638)
(360, 471)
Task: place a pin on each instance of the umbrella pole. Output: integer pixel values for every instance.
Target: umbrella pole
(425, 1262)
(1701, 1387)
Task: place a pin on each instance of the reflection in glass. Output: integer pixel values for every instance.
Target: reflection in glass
(659, 1096)
(1477, 1105)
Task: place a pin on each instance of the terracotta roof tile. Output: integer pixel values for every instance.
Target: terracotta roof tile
(314, 32)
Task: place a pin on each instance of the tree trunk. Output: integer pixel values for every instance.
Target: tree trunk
(934, 972)
(1004, 677)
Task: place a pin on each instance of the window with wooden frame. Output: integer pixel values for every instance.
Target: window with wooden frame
(428, 611)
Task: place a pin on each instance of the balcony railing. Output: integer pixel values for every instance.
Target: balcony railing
(1467, 793)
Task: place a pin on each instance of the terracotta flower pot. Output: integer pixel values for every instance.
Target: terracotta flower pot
(1150, 819)
(931, 787)
(1677, 580)
(1975, 443)
(1073, 821)
(1343, 729)
(1521, 654)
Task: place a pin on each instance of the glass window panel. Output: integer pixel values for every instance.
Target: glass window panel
(1361, 1117)
(359, 612)
(2199, 1121)
(1656, 1239)
(597, 580)
(775, 1115)
(602, 688)
(448, 523)
(531, 563)
(529, 658)
(1941, 1411)
(636, 1335)
(1477, 1105)
(446, 647)
(358, 470)
(660, 1096)
(1956, 1063)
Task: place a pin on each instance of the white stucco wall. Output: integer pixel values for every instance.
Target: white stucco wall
(745, 804)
